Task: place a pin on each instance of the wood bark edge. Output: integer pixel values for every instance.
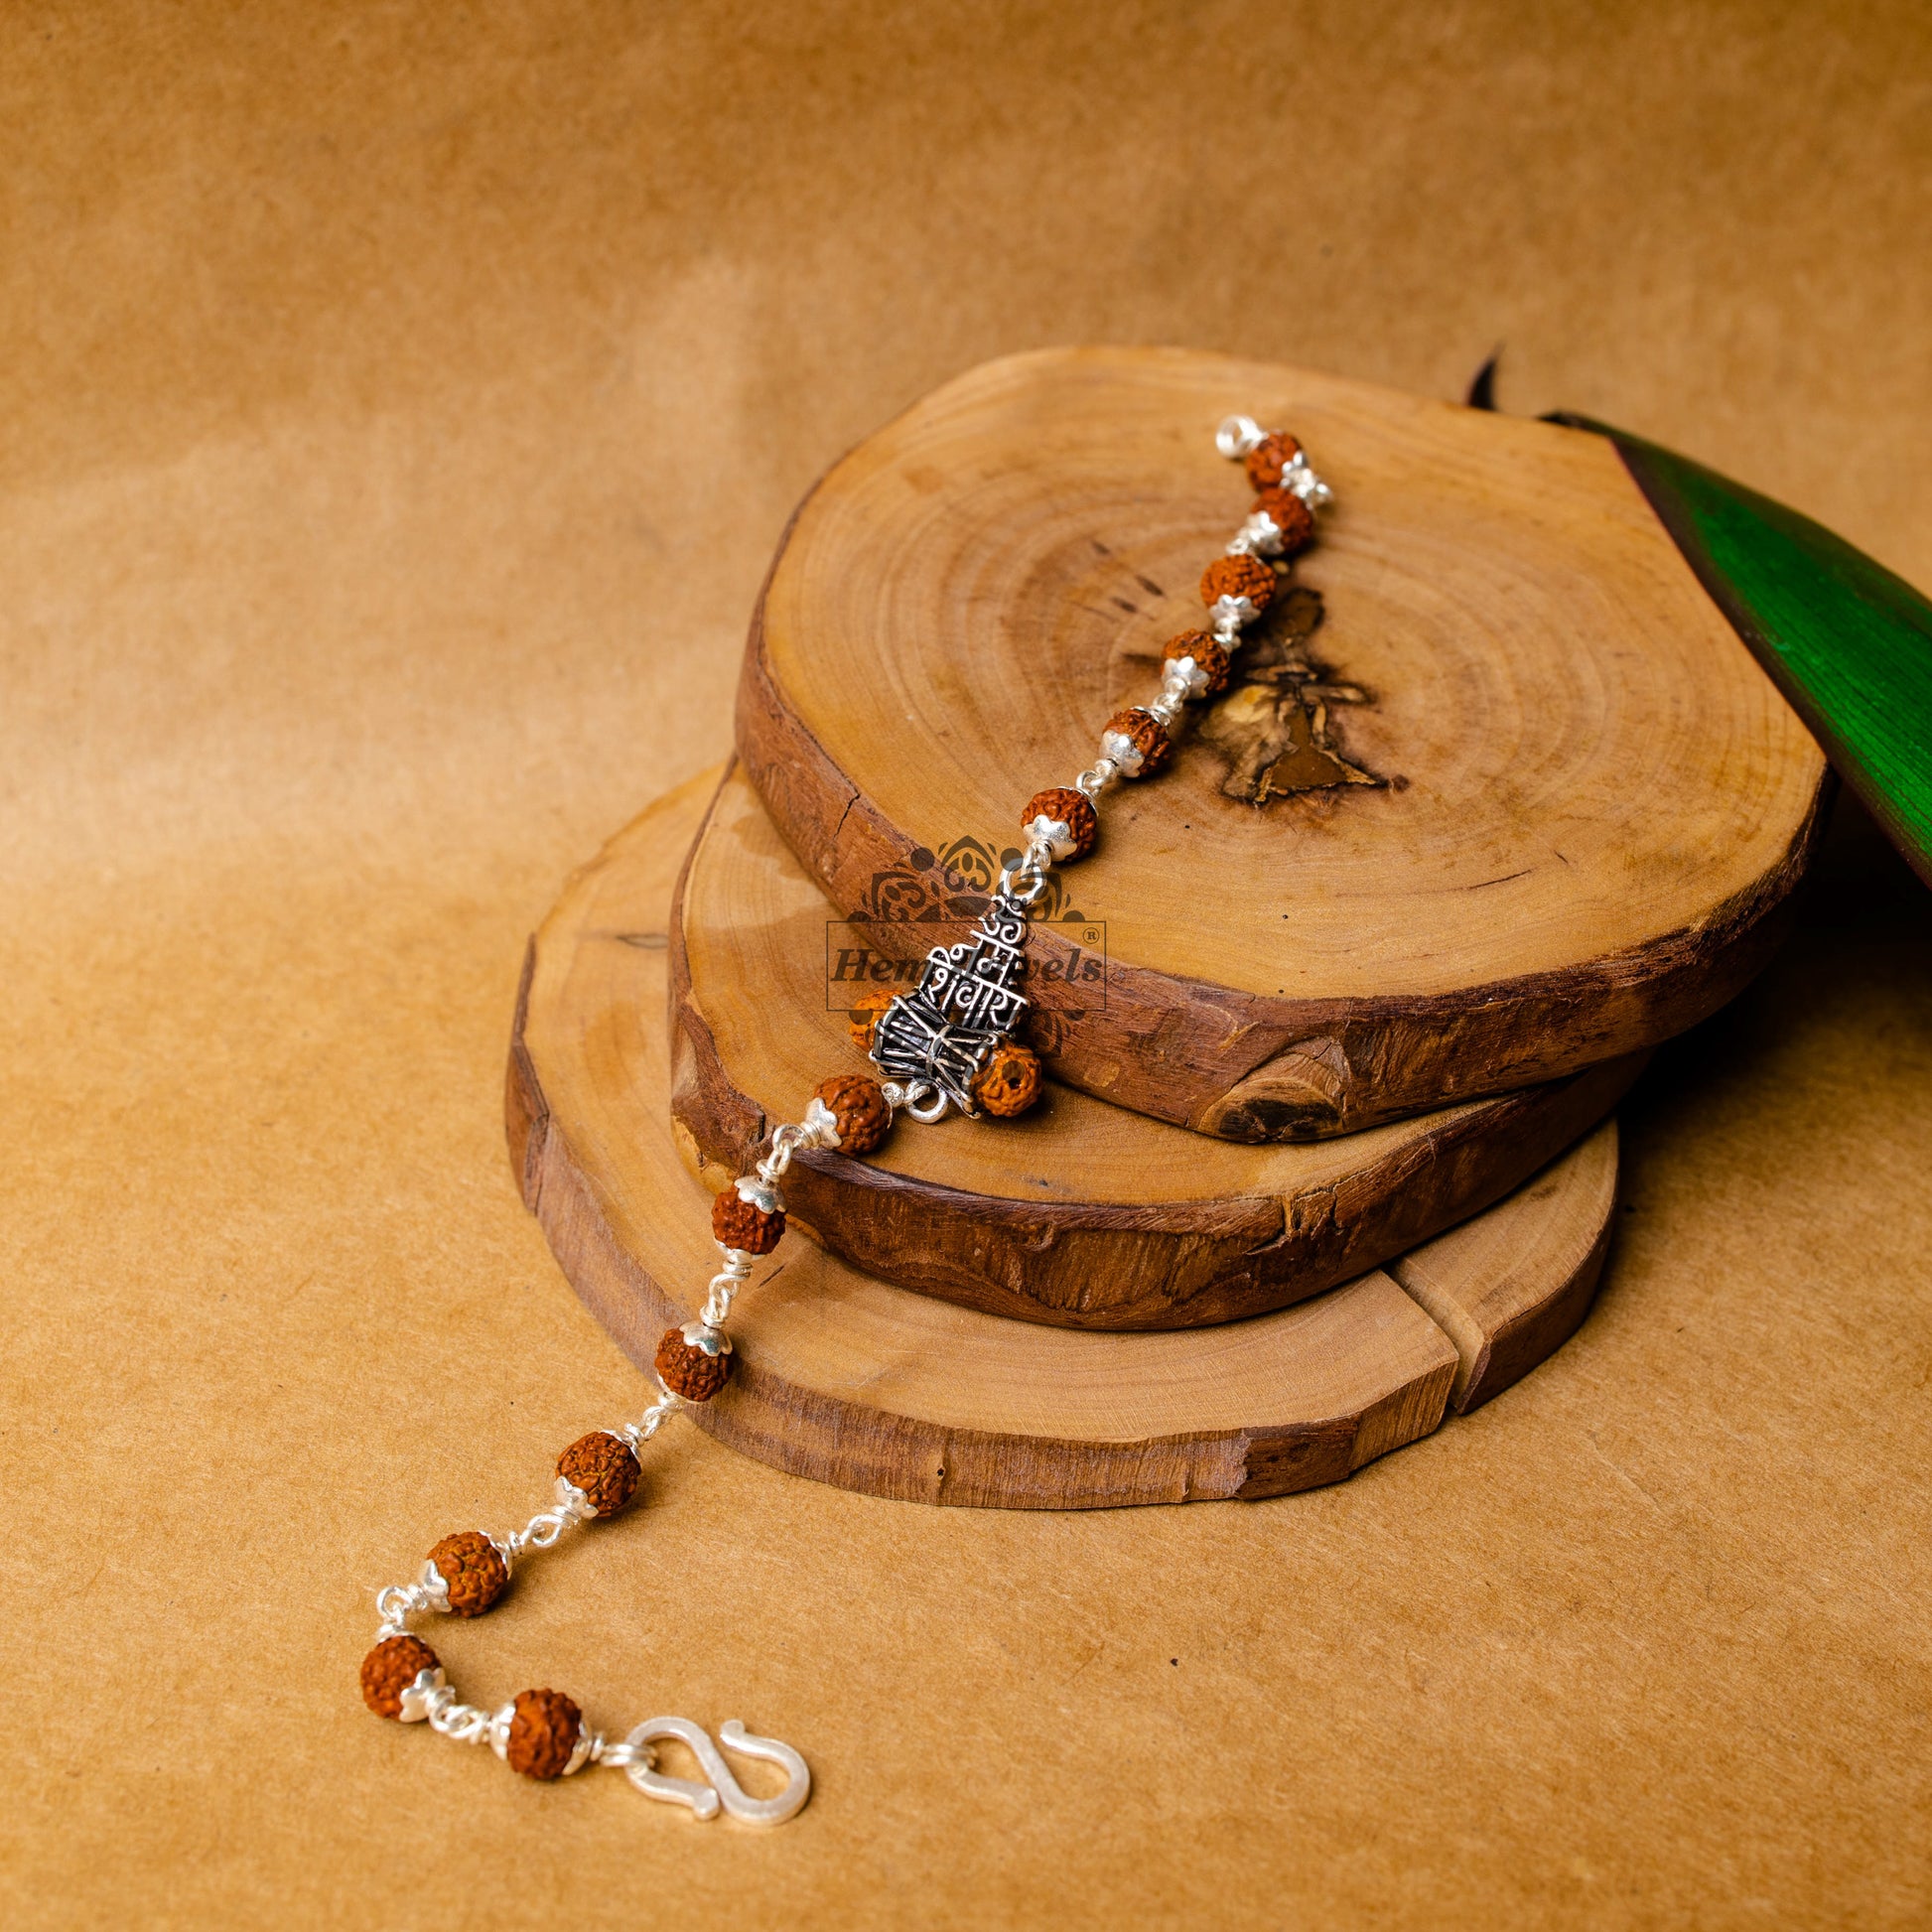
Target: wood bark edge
(1115, 1265)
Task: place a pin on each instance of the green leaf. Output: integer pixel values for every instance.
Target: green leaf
(1848, 643)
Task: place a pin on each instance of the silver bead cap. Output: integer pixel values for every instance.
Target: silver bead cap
(1186, 675)
(435, 1585)
(702, 1336)
(1302, 480)
(1260, 537)
(572, 1500)
(498, 1730)
(417, 1694)
(1055, 834)
(759, 1192)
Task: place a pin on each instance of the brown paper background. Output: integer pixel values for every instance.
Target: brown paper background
(400, 403)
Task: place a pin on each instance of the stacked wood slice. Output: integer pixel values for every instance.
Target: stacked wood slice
(1335, 1014)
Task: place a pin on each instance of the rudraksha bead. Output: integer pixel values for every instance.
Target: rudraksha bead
(1268, 458)
(1291, 517)
(688, 1370)
(473, 1571)
(1211, 659)
(1008, 1082)
(1241, 576)
(543, 1734)
(389, 1670)
(742, 1223)
(1137, 741)
(602, 1467)
(858, 1107)
(862, 1016)
(1061, 805)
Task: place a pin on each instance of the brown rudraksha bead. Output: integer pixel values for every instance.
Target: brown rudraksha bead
(389, 1670)
(1008, 1082)
(1147, 747)
(473, 1570)
(1291, 517)
(1211, 659)
(602, 1467)
(858, 1107)
(1240, 576)
(741, 1223)
(1268, 458)
(688, 1370)
(1063, 805)
(543, 1733)
(863, 1017)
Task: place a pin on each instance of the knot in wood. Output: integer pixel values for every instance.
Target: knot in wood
(1291, 517)
(544, 1730)
(1010, 1081)
(602, 1467)
(1268, 458)
(1063, 805)
(473, 1570)
(389, 1670)
(739, 1224)
(859, 1111)
(688, 1370)
(1244, 576)
(1211, 659)
(1146, 737)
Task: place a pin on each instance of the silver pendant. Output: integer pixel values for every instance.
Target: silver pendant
(938, 1035)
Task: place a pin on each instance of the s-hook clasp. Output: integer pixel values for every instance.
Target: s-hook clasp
(723, 1789)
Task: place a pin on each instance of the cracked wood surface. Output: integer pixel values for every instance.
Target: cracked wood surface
(1526, 804)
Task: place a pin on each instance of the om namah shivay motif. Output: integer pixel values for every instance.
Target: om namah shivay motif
(951, 1043)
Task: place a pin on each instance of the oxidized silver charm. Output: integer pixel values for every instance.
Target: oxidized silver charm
(934, 1039)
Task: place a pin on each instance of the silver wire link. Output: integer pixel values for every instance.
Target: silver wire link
(449, 1718)
(736, 1272)
(1096, 778)
(547, 1525)
(795, 1136)
(1238, 436)
(920, 1098)
(400, 1601)
(1027, 881)
(652, 1420)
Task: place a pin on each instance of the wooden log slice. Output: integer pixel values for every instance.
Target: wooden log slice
(1079, 1213)
(847, 1380)
(1497, 793)
(1510, 1288)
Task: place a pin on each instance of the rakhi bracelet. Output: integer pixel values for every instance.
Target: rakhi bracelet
(946, 1045)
